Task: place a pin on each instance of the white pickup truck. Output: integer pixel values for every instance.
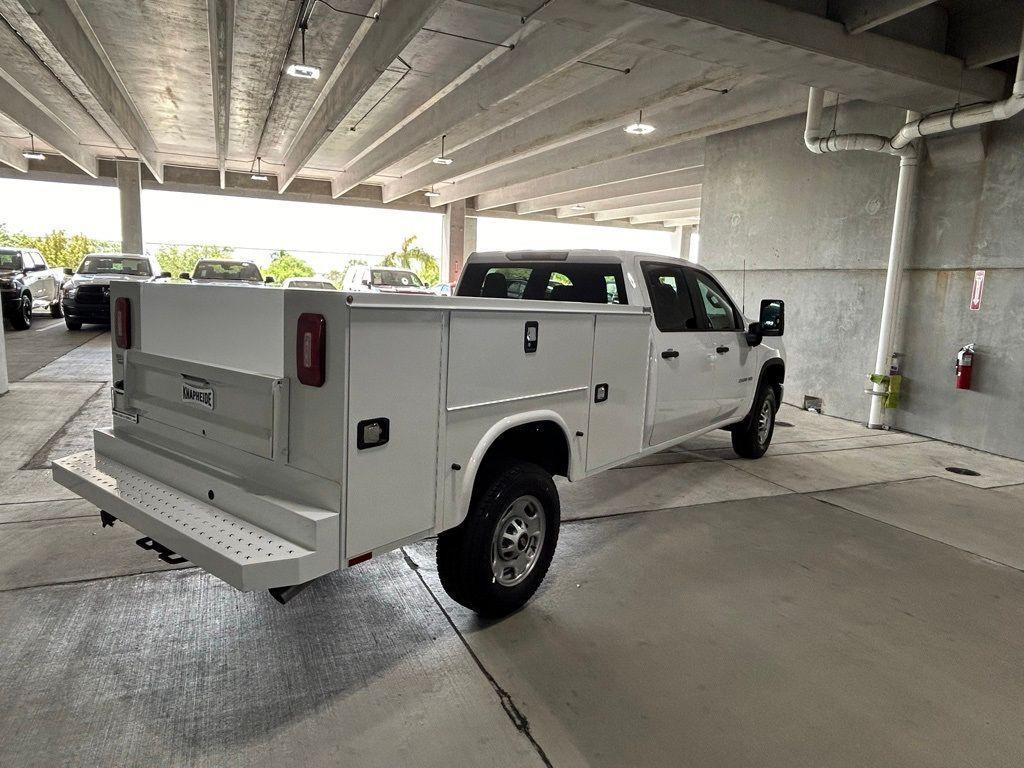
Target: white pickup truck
(272, 437)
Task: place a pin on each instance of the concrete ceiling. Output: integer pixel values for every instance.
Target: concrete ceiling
(530, 96)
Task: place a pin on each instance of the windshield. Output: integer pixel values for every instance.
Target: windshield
(395, 278)
(115, 265)
(227, 270)
(10, 260)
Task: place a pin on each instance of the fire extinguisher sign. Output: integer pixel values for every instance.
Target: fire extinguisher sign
(977, 289)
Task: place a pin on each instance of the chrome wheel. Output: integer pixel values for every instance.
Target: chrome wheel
(764, 422)
(517, 541)
(26, 310)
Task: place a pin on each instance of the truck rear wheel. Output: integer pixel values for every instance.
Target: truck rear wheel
(751, 437)
(494, 561)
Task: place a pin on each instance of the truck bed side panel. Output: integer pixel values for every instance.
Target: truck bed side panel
(394, 374)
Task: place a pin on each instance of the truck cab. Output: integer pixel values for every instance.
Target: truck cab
(86, 293)
(226, 272)
(27, 283)
(703, 369)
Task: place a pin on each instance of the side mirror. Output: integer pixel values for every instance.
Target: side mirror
(184, 276)
(268, 279)
(367, 283)
(68, 271)
(773, 317)
(165, 275)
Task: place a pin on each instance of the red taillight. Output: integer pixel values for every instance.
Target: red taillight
(123, 323)
(311, 349)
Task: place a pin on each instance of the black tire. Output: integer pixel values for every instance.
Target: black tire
(56, 310)
(751, 437)
(73, 325)
(22, 317)
(464, 554)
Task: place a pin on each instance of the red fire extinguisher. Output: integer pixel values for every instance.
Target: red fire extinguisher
(964, 366)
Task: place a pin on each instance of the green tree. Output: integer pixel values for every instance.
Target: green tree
(176, 260)
(413, 257)
(58, 247)
(283, 265)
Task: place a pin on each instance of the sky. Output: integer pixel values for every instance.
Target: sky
(322, 234)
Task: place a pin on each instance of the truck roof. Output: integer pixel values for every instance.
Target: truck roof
(587, 255)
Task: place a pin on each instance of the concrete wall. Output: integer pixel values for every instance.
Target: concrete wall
(815, 232)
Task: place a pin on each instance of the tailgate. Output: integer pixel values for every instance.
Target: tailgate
(244, 410)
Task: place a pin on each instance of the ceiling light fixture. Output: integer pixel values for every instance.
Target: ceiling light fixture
(432, 193)
(32, 154)
(442, 159)
(639, 128)
(303, 71)
(259, 175)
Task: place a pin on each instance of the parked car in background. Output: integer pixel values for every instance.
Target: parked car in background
(443, 289)
(26, 283)
(226, 272)
(383, 280)
(86, 294)
(309, 282)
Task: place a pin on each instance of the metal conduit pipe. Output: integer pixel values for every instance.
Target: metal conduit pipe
(902, 144)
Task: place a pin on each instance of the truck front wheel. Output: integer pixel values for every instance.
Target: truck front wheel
(494, 561)
(752, 436)
(22, 317)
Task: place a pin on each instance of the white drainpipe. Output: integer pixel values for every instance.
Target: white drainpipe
(903, 145)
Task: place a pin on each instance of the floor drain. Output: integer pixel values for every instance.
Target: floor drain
(963, 471)
(783, 424)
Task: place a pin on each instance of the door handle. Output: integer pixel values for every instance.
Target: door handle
(721, 350)
(669, 353)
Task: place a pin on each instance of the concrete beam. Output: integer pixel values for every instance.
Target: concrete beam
(386, 38)
(222, 36)
(629, 201)
(674, 223)
(642, 210)
(861, 15)
(30, 116)
(129, 186)
(753, 102)
(11, 155)
(681, 241)
(206, 181)
(988, 36)
(657, 85)
(772, 40)
(58, 23)
(690, 215)
(536, 57)
(687, 177)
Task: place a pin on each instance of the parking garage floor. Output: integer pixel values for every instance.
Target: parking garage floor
(844, 601)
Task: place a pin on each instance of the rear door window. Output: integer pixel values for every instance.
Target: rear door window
(670, 298)
(564, 281)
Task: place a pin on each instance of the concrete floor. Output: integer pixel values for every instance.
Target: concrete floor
(843, 601)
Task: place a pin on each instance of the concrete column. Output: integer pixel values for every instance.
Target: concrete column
(4, 383)
(681, 242)
(129, 184)
(453, 241)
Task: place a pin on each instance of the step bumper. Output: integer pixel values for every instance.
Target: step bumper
(240, 553)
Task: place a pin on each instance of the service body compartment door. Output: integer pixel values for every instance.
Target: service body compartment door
(394, 375)
(239, 409)
(618, 388)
